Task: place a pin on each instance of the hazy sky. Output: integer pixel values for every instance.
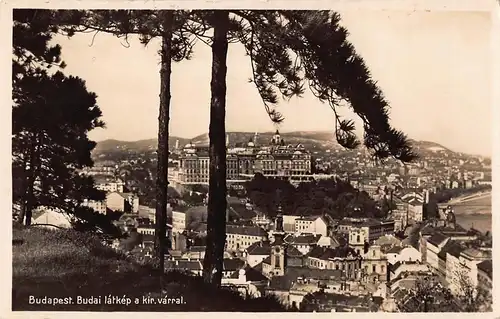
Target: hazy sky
(433, 67)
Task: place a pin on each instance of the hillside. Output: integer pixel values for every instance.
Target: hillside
(429, 146)
(66, 263)
(313, 140)
(134, 146)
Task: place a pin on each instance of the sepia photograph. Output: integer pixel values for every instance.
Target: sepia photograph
(244, 160)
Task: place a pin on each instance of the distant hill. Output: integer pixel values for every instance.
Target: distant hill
(107, 146)
(427, 146)
(313, 140)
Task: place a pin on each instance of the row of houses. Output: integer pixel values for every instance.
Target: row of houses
(458, 257)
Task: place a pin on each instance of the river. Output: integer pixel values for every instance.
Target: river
(475, 213)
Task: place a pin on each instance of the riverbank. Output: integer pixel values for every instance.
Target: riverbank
(466, 198)
(474, 213)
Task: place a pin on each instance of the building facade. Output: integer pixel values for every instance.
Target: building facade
(311, 225)
(239, 238)
(98, 206)
(277, 160)
(179, 221)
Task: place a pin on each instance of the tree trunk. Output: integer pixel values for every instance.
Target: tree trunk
(27, 207)
(216, 221)
(163, 121)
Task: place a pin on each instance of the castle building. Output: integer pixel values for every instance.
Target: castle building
(276, 160)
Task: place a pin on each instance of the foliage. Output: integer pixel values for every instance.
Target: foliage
(292, 49)
(333, 197)
(32, 32)
(387, 206)
(193, 198)
(86, 219)
(51, 117)
(429, 295)
(131, 241)
(472, 299)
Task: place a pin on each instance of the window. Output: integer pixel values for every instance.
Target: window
(358, 239)
(277, 261)
(374, 268)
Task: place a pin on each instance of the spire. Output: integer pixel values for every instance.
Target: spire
(279, 220)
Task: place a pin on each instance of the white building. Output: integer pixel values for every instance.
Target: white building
(239, 238)
(98, 206)
(403, 254)
(469, 259)
(257, 252)
(328, 242)
(109, 184)
(453, 267)
(50, 217)
(289, 223)
(303, 242)
(146, 229)
(368, 230)
(400, 268)
(179, 221)
(311, 225)
(125, 202)
(434, 245)
(415, 209)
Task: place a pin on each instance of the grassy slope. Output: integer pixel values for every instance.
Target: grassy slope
(64, 263)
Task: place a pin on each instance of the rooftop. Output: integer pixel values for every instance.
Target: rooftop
(259, 248)
(246, 230)
(293, 273)
(451, 248)
(302, 239)
(394, 250)
(437, 239)
(487, 267)
(324, 253)
(251, 274)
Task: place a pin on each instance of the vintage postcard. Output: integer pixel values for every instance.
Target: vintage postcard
(216, 157)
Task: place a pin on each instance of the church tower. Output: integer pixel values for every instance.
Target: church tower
(276, 138)
(278, 249)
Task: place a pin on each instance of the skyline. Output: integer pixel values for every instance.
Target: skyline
(402, 52)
